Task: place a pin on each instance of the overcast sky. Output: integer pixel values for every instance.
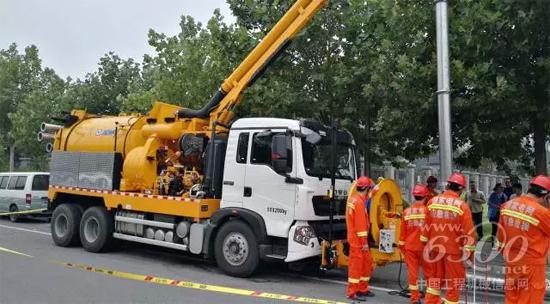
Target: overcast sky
(71, 35)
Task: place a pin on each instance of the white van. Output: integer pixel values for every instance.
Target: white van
(22, 191)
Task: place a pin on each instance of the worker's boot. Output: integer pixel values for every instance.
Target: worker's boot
(366, 294)
(357, 298)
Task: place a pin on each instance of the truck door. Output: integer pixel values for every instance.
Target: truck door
(236, 157)
(265, 191)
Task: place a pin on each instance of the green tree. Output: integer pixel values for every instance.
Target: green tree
(104, 90)
(36, 107)
(502, 68)
(18, 78)
(188, 68)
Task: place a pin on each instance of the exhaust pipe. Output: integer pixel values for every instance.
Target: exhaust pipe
(49, 128)
(49, 147)
(45, 136)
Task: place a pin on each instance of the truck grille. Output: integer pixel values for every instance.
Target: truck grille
(321, 206)
(322, 229)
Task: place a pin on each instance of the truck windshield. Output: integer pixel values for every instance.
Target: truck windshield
(317, 159)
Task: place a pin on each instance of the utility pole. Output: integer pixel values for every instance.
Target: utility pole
(443, 91)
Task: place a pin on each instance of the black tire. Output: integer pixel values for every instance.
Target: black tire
(96, 229)
(65, 223)
(14, 218)
(236, 239)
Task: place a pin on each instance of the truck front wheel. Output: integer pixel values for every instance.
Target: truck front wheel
(64, 225)
(96, 229)
(236, 249)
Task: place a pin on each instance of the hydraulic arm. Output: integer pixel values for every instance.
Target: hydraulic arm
(221, 107)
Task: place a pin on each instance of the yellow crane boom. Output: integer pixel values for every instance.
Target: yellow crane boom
(221, 106)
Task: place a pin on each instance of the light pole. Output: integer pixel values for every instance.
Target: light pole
(443, 91)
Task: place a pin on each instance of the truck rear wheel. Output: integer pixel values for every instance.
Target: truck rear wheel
(65, 224)
(96, 229)
(236, 249)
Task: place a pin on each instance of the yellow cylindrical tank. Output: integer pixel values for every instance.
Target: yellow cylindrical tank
(136, 137)
(97, 134)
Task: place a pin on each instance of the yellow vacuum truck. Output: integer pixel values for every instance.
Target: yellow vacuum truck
(239, 191)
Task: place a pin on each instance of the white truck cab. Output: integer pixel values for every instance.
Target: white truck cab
(280, 169)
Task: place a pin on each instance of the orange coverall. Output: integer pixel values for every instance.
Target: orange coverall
(448, 231)
(360, 261)
(523, 237)
(412, 224)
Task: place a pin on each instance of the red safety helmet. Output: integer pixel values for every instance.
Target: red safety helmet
(420, 190)
(457, 178)
(431, 179)
(542, 181)
(364, 182)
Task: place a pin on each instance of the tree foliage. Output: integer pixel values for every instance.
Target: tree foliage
(371, 64)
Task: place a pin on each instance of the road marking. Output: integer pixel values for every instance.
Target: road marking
(23, 212)
(337, 282)
(294, 275)
(199, 286)
(26, 230)
(2, 249)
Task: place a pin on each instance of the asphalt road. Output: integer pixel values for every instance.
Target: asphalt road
(34, 270)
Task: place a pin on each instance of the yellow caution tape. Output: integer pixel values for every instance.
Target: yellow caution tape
(23, 212)
(192, 285)
(2, 249)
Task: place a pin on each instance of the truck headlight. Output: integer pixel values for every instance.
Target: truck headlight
(303, 234)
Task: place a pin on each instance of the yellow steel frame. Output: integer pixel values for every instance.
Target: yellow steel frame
(191, 208)
(385, 199)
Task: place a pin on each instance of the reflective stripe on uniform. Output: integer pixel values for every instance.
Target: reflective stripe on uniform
(350, 205)
(470, 248)
(413, 287)
(520, 216)
(365, 279)
(423, 238)
(450, 302)
(446, 208)
(362, 233)
(415, 217)
(353, 281)
(433, 291)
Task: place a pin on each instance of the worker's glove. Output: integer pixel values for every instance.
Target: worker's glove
(393, 215)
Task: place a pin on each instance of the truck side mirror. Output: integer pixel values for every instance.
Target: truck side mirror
(280, 145)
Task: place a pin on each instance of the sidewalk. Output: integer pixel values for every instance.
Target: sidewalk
(490, 275)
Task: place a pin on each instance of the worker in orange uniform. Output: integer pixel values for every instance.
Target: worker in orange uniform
(449, 234)
(357, 223)
(412, 224)
(523, 237)
(432, 184)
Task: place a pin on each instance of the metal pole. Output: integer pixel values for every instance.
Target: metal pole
(443, 90)
(334, 147)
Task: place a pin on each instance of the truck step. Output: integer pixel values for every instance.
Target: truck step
(276, 256)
